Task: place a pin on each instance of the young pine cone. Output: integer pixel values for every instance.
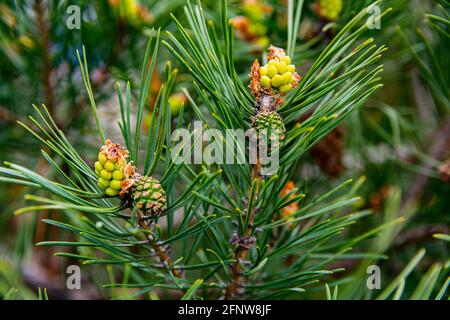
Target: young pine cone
(148, 196)
(110, 168)
(278, 74)
(265, 121)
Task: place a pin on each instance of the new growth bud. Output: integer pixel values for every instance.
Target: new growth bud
(110, 168)
(278, 74)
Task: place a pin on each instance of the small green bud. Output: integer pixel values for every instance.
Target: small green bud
(117, 175)
(281, 67)
(102, 183)
(287, 78)
(265, 81)
(105, 174)
(111, 192)
(119, 165)
(272, 63)
(102, 158)
(109, 165)
(277, 80)
(263, 71)
(115, 184)
(286, 60)
(271, 71)
(98, 166)
(285, 88)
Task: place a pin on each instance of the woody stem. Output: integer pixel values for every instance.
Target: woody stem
(240, 254)
(160, 252)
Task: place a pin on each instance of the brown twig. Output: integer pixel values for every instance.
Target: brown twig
(160, 252)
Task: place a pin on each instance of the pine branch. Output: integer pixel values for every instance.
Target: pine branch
(159, 250)
(246, 239)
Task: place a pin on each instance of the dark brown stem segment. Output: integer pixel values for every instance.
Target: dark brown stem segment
(233, 290)
(160, 251)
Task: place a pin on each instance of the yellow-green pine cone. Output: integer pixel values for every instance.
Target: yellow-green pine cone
(110, 168)
(278, 74)
(330, 9)
(177, 101)
(148, 196)
(111, 176)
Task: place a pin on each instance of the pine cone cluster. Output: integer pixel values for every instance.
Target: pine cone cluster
(269, 84)
(278, 74)
(110, 168)
(118, 178)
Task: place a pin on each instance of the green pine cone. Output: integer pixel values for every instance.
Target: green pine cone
(266, 120)
(110, 174)
(110, 168)
(148, 196)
